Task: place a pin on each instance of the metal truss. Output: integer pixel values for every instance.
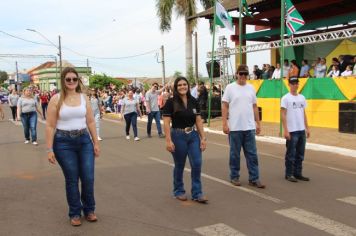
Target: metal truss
(293, 41)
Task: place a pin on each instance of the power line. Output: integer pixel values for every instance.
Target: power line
(26, 40)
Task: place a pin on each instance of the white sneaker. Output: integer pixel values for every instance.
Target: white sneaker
(35, 143)
(137, 139)
(100, 139)
(27, 142)
(127, 137)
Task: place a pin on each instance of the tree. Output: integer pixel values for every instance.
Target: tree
(102, 81)
(3, 76)
(177, 74)
(190, 75)
(185, 8)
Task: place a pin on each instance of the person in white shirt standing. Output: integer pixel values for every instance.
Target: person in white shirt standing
(296, 130)
(241, 122)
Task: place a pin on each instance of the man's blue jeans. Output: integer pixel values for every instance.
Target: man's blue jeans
(186, 145)
(131, 118)
(29, 123)
(75, 155)
(295, 153)
(156, 115)
(246, 140)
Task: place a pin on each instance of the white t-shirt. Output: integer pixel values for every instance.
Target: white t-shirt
(241, 100)
(295, 106)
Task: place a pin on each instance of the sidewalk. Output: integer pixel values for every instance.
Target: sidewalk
(326, 139)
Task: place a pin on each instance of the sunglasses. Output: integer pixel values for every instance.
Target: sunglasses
(243, 73)
(68, 80)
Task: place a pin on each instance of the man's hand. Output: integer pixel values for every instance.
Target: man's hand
(286, 134)
(258, 128)
(226, 129)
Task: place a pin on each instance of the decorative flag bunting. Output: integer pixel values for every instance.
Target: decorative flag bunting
(293, 19)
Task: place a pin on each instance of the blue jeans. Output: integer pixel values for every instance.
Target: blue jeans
(131, 118)
(156, 115)
(246, 140)
(186, 145)
(29, 123)
(75, 155)
(295, 153)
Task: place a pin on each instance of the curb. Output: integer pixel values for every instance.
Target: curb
(276, 140)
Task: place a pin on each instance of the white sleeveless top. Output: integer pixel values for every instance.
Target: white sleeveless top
(73, 117)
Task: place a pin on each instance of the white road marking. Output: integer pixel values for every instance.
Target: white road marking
(350, 200)
(224, 182)
(218, 230)
(316, 221)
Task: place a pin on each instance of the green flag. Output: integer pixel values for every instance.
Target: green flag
(222, 17)
(245, 11)
(293, 19)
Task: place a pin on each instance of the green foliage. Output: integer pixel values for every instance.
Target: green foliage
(101, 81)
(3, 76)
(190, 74)
(177, 74)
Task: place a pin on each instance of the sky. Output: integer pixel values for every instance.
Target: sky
(92, 29)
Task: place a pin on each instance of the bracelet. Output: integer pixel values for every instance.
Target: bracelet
(49, 150)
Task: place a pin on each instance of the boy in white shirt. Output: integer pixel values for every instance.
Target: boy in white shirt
(296, 131)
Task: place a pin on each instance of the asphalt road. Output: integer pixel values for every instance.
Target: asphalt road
(133, 191)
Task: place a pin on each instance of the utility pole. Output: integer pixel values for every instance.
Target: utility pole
(17, 77)
(87, 66)
(196, 57)
(60, 53)
(163, 67)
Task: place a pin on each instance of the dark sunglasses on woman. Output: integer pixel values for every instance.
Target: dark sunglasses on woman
(75, 79)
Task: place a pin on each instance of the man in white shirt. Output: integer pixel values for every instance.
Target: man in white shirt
(320, 69)
(296, 130)
(241, 122)
(194, 91)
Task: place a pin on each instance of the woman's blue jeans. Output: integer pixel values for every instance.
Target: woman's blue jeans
(131, 118)
(186, 145)
(295, 153)
(246, 140)
(75, 155)
(29, 123)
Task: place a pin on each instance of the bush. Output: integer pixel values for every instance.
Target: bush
(102, 81)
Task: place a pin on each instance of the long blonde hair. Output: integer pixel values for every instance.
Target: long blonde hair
(63, 93)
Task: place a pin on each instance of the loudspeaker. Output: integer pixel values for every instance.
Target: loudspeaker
(347, 117)
(216, 68)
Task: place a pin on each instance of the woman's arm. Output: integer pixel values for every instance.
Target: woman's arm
(167, 130)
(51, 124)
(91, 126)
(200, 128)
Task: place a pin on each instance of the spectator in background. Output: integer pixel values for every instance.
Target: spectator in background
(334, 72)
(277, 72)
(152, 109)
(265, 73)
(347, 72)
(44, 103)
(2, 114)
(286, 68)
(354, 70)
(257, 72)
(194, 90)
(343, 63)
(304, 71)
(293, 70)
(334, 62)
(13, 99)
(203, 101)
(270, 71)
(320, 69)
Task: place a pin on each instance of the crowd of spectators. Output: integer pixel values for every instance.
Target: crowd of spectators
(341, 66)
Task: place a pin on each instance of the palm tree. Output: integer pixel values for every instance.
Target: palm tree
(185, 8)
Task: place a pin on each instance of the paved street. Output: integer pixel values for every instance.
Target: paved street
(133, 191)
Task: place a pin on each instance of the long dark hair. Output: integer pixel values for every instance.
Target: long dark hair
(178, 104)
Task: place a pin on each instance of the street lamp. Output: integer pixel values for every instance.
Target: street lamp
(59, 47)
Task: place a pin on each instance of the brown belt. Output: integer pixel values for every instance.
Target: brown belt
(186, 130)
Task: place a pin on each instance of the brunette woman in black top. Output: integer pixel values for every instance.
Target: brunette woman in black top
(185, 138)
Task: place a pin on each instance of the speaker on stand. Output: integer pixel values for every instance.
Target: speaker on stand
(347, 117)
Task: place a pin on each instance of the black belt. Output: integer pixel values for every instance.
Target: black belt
(72, 133)
(186, 130)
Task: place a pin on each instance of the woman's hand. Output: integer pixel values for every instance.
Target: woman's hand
(51, 158)
(96, 149)
(202, 145)
(170, 146)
